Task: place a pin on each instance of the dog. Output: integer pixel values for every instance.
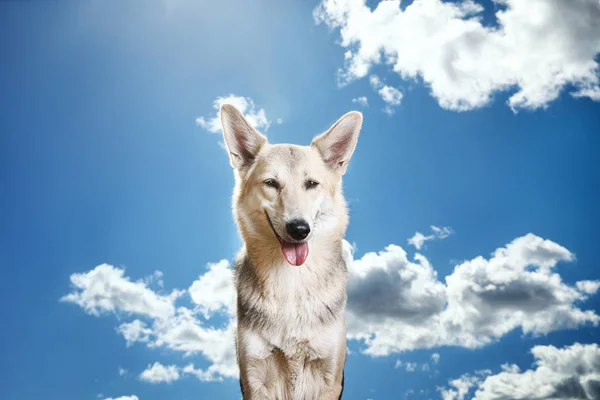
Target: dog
(290, 275)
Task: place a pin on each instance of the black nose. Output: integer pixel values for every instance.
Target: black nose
(298, 229)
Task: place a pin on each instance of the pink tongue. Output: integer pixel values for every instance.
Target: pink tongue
(295, 253)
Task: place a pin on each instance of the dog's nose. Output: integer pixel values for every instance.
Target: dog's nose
(298, 229)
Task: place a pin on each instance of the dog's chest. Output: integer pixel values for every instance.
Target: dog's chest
(300, 314)
(305, 344)
(302, 325)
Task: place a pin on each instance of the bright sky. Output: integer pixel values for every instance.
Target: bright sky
(473, 191)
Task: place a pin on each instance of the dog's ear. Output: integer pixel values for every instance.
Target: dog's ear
(338, 143)
(242, 140)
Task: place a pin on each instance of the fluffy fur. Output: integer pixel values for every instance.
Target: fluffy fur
(291, 333)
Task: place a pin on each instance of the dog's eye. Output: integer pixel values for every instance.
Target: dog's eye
(271, 183)
(310, 184)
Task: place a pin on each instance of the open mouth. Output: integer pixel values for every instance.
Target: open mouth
(295, 253)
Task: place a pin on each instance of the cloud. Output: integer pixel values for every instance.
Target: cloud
(254, 115)
(159, 323)
(122, 371)
(438, 233)
(395, 304)
(214, 291)
(412, 367)
(386, 285)
(104, 289)
(361, 101)
(408, 366)
(460, 387)
(158, 373)
(155, 277)
(187, 334)
(571, 372)
(135, 331)
(442, 233)
(589, 287)
(535, 48)
(391, 96)
(132, 397)
(435, 358)
(212, 374)
(419, 239)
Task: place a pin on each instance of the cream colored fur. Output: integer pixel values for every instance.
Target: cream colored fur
(291, 333)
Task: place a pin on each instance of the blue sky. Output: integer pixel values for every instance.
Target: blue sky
(109, 172)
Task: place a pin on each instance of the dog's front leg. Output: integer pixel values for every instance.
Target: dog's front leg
(334, 391)
(264, 374)
(264, 381)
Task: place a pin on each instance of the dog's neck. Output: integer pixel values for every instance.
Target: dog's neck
(269, 276)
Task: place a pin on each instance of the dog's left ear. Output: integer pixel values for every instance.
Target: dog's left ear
(242, 140)
(338, 143)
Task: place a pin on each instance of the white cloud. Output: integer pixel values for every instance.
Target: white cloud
(435, 358)
(279, 121)
(254, 115)
(375, 82)
(361, 101)
(572, 372)
(214, 291)
(410, 367)
(589, 287)
(419, 239)
(158, 373)
(442, 233)
(512, 368)
(104, 289)
(538, 48)
(460, 387)
(592, 93)
(122, 371)
(396, 305)
(438, 233)
(187, 334)
(386, 285)
(155, 277)
(132, 397)
(134, 331)
(390, 95)
(161, 324)
(213, 374)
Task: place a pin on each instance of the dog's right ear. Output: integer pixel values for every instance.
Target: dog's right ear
(242, 140)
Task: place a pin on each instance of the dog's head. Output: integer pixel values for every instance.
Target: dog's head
(289, 197)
